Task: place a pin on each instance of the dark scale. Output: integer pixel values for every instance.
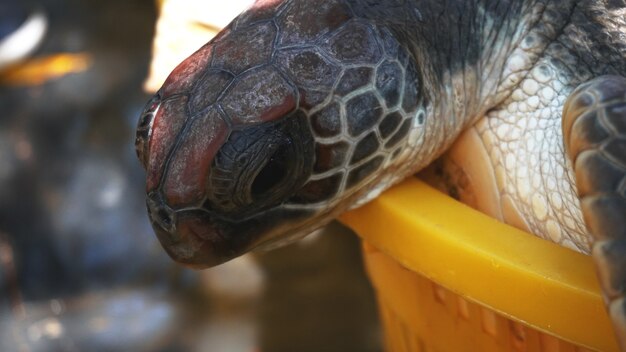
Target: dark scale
(354, 43)
(208, 90)
(296, 27)
(389, 124)
(353, 79)
(402, 132)
(329, 156)
(171, 116)
(360, 173)
(310, 98)
(245, 104)
(319, 190)
(388, 82)
(308, 68)
(404, 57)
(602, 174)
(390, 44)
(184, 76)
(231, 56)
(614, 115)
(327, 122)
(363, 112)
(590, 127)
(616, 150)
(411, 89)
(365, 148)
(187, 185)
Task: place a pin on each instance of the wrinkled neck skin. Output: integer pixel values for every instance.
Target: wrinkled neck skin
(462, 51)
(461, 47)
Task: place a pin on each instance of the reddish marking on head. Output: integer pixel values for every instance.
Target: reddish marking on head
(279, 110)
(188, 169)
(261, 4)
(199, 227)
(184, 75)
(167, 124)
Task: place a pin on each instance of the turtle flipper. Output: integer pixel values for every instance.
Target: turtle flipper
(594, 129)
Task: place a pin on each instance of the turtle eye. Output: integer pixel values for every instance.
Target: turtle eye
(260, 166)
(272, 174)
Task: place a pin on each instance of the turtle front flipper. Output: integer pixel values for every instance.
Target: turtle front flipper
(594, 129)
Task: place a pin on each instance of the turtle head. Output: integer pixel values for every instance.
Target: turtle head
(270, 130)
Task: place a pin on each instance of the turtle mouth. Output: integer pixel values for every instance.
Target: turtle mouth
(144, 129)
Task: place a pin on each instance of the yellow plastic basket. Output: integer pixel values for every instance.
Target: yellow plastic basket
(449, 278)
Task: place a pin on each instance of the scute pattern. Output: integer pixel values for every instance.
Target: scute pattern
(361, 123)
(308, 68)
(353, 79)
(366, 147)
(208, 90)
(360, 173)
(388, 82)
(389, 124)
(233, 57)
(244, 104)
(402, 132)
(327, 121)
(354, 44)
(330, 156)
(339, 77)
(363, 112)
(297, 28)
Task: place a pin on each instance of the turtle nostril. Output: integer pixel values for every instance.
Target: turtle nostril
(160, 214)
(164, 217)
(144, 129)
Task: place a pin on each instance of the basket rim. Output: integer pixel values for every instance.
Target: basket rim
(525, 278)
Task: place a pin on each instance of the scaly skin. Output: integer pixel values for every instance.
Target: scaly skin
(300, 110)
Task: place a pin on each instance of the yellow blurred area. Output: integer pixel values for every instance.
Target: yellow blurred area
(39, 70)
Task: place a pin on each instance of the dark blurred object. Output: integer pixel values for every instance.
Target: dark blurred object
(70, 187)
(317, 297)
(79, 266)
(22, 29)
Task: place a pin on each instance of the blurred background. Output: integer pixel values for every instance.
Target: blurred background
(80, 269)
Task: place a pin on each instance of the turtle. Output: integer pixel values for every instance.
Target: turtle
(300, 110)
